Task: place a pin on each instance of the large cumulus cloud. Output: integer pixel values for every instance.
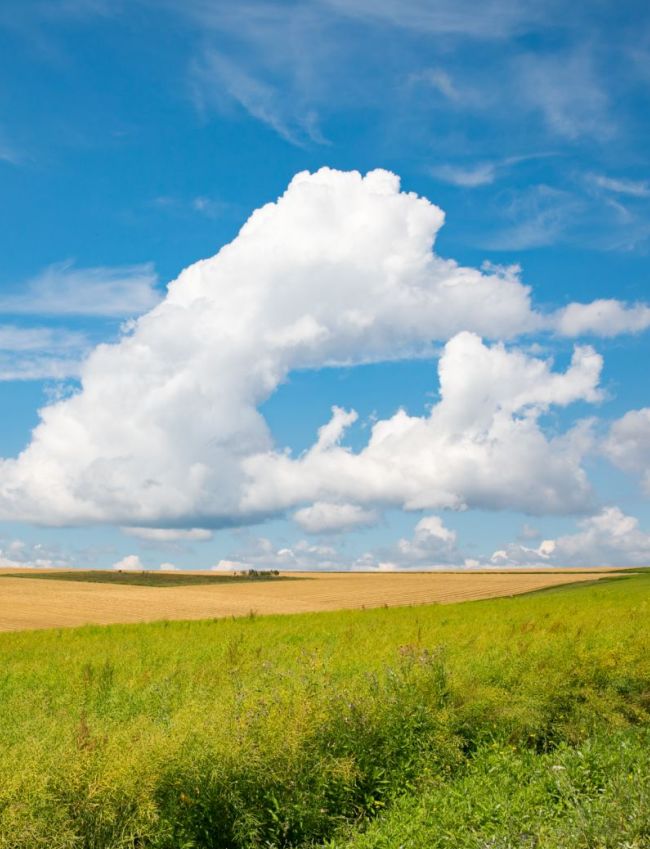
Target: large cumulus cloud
(165, 430)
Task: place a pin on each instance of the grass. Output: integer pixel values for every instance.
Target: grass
(589, 796)
(514, 722)
(152, 579)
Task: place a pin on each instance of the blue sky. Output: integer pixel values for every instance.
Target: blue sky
(137, 138)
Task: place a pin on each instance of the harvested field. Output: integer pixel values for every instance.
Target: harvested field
(40, 603)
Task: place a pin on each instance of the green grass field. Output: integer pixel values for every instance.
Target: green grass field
(519, 722)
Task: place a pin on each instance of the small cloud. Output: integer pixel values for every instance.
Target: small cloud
(228, 566)
(182, 207)
(168, 567)
(603, 317)
(8, 153)
(130, 563)
(207, 206)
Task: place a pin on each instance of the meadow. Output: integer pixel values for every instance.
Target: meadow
(512, 722)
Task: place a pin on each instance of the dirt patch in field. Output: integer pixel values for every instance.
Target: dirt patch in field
(38, 603)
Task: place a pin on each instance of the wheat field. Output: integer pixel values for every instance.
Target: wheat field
(40, 603)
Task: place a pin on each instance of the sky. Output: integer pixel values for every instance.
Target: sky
(325, 284)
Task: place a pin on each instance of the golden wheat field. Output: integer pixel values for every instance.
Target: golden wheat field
(39, 603)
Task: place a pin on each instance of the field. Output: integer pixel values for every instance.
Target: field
(503, 723)
(50, 600)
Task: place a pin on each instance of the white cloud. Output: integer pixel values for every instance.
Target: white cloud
(169, 534)
(627, 444)
(324, 517)
(228, 566)
(168, 567)
(62, 289)
(130, 563)
(609, 538)
(480, 446)
(604, 317)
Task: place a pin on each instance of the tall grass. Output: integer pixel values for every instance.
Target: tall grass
(289, 731)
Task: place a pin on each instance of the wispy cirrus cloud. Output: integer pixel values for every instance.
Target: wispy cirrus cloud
(620, 185)
(496, 20)
(40, 353)
(471, 175)
(102, 291)
(466, 176)
(569, 92)
(19, 339)
(8, 152)
(534, 217)
(439, 80)
(219, 81)
(37, 12)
